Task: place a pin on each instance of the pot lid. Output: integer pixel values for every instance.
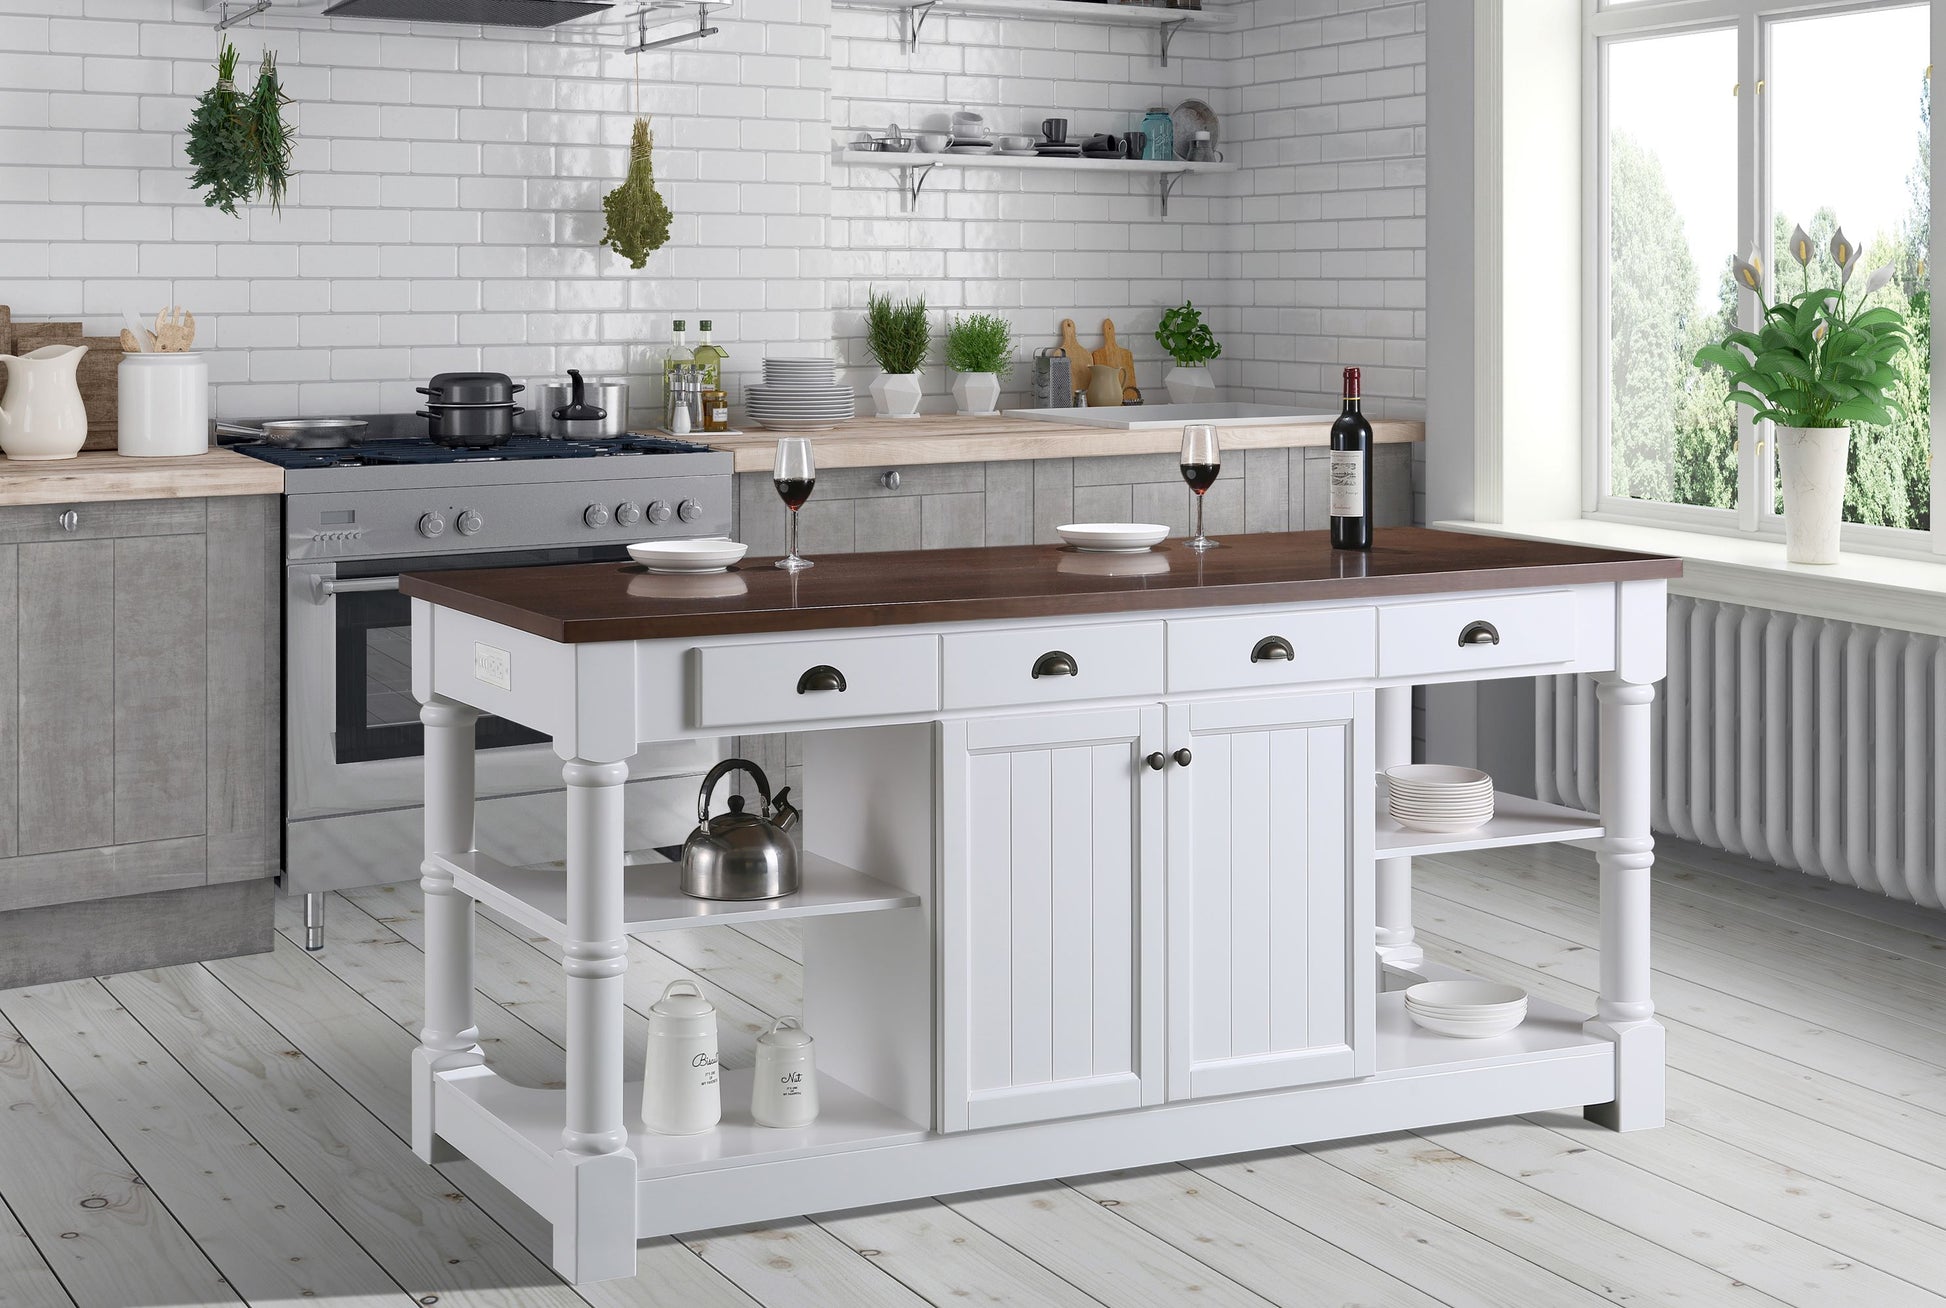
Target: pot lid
(683, 999)
(786, 1033)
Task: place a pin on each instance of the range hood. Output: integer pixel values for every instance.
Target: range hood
(490, 13)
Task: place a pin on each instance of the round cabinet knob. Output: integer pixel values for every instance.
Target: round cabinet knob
(432, 524)
(890, 480)
(628, 513)
(689, 510)
(595, 515)
(659, 512)
(469, 523)
(1182, 757)
(1156, 762)
(70, 521)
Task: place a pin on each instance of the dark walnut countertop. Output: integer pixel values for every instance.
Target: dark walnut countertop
(588, 602)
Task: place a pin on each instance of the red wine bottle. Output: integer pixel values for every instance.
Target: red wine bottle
(1351, 473)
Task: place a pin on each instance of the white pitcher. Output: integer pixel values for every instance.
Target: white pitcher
(41, 416)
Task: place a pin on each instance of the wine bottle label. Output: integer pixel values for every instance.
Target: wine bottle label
(1347, 484)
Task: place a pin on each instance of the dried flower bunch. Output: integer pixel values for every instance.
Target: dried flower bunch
(239, 143)
(638, 217)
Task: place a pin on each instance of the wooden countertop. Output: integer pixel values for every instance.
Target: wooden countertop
(946, 438)
(105, 475)
(580, 603)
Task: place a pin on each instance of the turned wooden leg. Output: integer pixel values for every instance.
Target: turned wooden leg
(449, 1039)
(1392, 886)
(594, 1232)
(1624, 1012)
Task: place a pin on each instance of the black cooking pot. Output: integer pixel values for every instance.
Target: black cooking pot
(473, 426)
(470, 388)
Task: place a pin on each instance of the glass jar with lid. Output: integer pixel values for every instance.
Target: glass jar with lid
(1161, 131)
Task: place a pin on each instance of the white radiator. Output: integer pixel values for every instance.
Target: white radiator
(1815, 745)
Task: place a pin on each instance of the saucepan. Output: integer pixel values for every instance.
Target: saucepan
(302, 433)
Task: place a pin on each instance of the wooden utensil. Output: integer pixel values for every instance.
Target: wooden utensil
(1079, 359)
(1113, 354)
(175, 330)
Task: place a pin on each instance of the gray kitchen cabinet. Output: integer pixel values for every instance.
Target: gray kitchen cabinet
(139, 774)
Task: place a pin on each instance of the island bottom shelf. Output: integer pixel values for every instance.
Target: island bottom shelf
(1517, 820)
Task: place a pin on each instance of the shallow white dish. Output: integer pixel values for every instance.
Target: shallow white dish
(1464, 1030)
(1113, 537)
(1436, 776)
(1464, 993)
(970, 149)
(1442, 826)
(711, 554)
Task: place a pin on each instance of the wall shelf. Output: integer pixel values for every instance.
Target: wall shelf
(1166, 22)
(915, 168)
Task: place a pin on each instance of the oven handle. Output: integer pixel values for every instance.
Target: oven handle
(323, 588)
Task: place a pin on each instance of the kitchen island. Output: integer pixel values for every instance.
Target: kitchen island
(1094, 877)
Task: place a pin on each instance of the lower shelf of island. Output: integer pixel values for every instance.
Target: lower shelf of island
(1517, 820)
(537, 897)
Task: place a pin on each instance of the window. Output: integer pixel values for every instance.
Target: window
(1717, 135)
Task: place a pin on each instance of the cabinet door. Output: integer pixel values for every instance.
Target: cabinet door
(1269, 892)
(1050, 916)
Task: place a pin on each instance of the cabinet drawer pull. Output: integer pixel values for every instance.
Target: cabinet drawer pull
(1056, 663)
(69, 521)
(1480, 633)
(822, 677)
(1182, 758)
(1272, 649)
(1156, 761)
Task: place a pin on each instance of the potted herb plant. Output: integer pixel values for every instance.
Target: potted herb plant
(1817, 364)
(1190, 342)
(979, 347)
(898, 336)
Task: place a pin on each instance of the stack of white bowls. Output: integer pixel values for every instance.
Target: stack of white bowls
(1474, 1010)
(1436, 797)
(800, 395)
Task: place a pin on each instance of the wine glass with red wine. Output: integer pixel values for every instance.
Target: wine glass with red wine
(1202, 459)
(794, 477)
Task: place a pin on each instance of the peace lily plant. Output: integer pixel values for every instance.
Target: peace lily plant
(1818, 363)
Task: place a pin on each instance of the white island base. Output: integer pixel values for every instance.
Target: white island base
(1052, 925)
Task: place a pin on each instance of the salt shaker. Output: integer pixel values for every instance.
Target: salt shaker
(786, 1089)
(680, 1090)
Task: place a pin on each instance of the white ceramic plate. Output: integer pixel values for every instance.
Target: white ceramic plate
(1437, 775)
(1441, 826)
(970, 149)
(788, 424)
(1464, 990)
(711, 554)
(1446, 1026)
(1113, 537)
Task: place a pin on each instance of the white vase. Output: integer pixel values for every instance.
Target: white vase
(1812, 461)
(1190, 383)
(977, 392)
(42, 416)
(896, 394)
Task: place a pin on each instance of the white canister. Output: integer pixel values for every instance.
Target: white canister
(786, 1089)
(680, 1090)
(162, 405)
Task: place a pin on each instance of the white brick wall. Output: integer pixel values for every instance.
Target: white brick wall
(449, 199)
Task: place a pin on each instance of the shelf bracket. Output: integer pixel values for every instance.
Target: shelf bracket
(914, 185)
(229, 20)
(915, 23)
(1168, 182)
(1168, 33)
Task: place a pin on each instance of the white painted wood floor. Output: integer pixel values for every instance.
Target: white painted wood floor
(235, 1133)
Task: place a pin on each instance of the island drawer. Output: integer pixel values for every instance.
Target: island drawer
(1272, 649)
(1469, 634)
(986, 669)
(805, 680)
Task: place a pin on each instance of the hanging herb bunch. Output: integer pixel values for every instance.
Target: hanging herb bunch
(638, 218)
(239, 143)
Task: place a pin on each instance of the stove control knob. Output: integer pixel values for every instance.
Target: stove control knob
(432, 524)
(596, 515)
(469, 523)
(627, 513)
(659, 512)
(689, 510)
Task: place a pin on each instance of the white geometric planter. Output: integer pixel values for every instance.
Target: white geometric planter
(1811, 462)
(977, 392)
(1190, 383)
(897, 393)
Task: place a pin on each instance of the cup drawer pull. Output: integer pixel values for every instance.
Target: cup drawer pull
(822, 677)
(1272, 649)
(1479, 633)
(1056, 663)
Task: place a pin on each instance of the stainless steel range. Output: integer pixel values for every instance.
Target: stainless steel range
(354, 519)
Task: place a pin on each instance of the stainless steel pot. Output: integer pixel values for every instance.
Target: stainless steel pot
(609, 394)
(302, 433)
(738, 855)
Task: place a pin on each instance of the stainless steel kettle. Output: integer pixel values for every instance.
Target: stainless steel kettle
(739, 855)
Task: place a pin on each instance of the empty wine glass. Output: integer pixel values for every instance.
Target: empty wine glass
(794, 476)
(1202, 458)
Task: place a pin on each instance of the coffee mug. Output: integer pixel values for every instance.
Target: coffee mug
(1134, 143)
(1055, 130)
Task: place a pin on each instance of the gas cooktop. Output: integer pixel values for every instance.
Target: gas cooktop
(421, 451)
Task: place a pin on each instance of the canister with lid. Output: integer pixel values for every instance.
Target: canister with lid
(681, 1094)
(785, 1093)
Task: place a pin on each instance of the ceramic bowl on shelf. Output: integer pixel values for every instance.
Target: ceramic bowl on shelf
(1467, 1009)
(1016, 144)
(1113, 537)
(711, 554)
(931, 142)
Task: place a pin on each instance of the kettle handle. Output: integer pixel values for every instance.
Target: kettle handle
(722, 770)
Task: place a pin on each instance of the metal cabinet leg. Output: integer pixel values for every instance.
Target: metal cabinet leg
(314, 921)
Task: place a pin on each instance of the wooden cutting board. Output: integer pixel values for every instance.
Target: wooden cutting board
(97, 374)
(1079, 359)
(1112, 354)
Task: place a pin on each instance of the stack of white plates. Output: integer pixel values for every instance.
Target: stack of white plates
(800, 395)
(1469, 1009)
(710, 554)
(1435, 797)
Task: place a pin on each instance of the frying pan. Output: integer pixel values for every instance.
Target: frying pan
(302, 433)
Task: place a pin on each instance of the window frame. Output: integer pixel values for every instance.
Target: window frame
(1603, 24)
